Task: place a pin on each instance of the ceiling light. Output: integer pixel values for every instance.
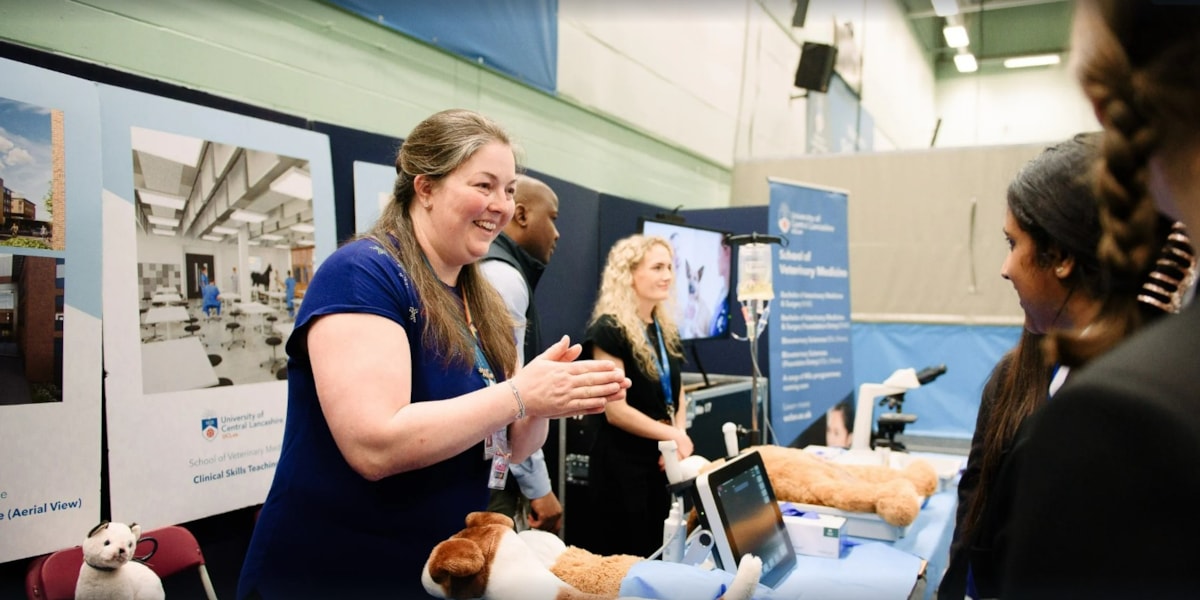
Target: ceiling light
(270, 237)
(302, 228)
(945, 8)
(163, 200)
(284, 246)
(305, 242)
(175, 148)
(163, 221)
(956, 36)
(248, 216)
(965, 62)
(295, 183)
(224, 230)
(157, 231)
(1039, 60)
(212, 238)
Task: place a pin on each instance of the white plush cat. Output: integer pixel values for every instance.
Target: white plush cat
(108, 573)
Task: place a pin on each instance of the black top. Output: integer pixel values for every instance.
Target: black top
(1097, 498)
(628, 486)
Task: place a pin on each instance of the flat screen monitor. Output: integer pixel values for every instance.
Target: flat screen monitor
(702, 277)
(737, 504)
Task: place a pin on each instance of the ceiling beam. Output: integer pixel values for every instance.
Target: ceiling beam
(965, 7)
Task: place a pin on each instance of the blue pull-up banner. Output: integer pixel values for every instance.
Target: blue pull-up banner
(809, 323)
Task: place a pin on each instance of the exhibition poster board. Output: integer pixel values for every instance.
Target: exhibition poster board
(183, 443)
(50, 310)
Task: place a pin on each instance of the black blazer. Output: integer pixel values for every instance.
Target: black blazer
(1099, 495)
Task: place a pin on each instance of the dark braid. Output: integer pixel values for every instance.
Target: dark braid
(1128, 216)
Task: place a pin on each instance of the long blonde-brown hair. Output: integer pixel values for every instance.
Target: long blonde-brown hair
(435, 148)
(1139, 69)
(618, 300)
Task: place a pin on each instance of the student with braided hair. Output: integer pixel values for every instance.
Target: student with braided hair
(1097, 494)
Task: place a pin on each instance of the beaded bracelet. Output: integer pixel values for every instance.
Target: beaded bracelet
(520, 403)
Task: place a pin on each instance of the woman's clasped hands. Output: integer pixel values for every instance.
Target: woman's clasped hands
(556, 385)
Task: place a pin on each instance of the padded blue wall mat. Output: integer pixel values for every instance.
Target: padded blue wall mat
(947, 406)
(518, 39)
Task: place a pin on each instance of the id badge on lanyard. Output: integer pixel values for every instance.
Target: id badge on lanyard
(495, 445)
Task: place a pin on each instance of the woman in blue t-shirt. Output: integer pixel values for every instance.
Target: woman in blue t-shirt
(402, 376)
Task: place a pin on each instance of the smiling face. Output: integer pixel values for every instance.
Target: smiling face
(652, 278)
(1039, 287)
(458, 216)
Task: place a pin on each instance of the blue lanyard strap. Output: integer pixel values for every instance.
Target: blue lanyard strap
(664, 369)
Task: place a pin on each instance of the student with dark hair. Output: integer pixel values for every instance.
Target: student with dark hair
(1095, 499)
(1052, 228)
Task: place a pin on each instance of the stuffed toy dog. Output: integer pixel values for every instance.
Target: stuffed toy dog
(798, 476)
(108, 573)
(490, 560)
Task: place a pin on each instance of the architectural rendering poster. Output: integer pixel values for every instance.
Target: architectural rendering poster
(49, 311)
(213, 225)
(809, 324)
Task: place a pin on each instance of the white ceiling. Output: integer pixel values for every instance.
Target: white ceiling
(211, 181)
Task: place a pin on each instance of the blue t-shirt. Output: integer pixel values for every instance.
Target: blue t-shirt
(289, 286)
(210, 295)
(324, 530)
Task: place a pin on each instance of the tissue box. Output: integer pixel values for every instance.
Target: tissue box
(815, 534)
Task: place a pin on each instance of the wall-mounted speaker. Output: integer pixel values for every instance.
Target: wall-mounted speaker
(816, 66)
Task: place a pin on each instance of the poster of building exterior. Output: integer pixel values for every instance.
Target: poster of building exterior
(50, 288)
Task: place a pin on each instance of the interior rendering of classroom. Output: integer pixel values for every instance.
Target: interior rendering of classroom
(201, 160)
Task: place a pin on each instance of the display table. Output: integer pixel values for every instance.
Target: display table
(165, 314)
(867, 569)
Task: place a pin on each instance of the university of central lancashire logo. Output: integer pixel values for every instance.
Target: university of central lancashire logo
(785, 221)
(208, 428)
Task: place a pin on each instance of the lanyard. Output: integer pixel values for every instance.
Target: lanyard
(481, 362)
(495, 445)
(664, 369)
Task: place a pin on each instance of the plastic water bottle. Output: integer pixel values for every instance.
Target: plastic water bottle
(674, 534)
(729, 431)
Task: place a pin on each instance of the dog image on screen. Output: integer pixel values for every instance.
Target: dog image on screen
(697, 316)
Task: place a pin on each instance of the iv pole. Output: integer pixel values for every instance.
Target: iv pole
(755, 292)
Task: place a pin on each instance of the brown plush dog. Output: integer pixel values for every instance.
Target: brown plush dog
(893, 494)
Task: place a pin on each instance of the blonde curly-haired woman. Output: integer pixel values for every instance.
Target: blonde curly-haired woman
(632, 325)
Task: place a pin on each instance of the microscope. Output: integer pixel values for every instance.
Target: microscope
(892, 423)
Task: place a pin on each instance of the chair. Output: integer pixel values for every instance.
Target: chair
(214, 359)
(273, 341)
(191, 330)
(233, 327)
(167, 550)
(281, 374)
